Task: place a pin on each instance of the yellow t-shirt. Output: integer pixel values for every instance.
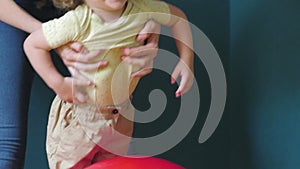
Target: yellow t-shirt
(114, 84)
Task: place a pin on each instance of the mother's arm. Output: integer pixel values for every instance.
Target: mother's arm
(71, 54)
(75, 55)
(15, 16)
(12, 14)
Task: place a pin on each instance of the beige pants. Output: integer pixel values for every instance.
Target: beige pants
(79, 136)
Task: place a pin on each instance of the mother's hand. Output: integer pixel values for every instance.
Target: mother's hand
(77, 59)
(143, 56)
(76, 56)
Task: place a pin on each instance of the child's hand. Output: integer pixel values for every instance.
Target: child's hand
(187, 77)
(64, 90)
(77, 58)
(68, 90)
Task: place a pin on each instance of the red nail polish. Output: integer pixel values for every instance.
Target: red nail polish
(173, 80)
(178, 94)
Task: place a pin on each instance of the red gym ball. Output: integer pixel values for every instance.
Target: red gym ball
(135, 163)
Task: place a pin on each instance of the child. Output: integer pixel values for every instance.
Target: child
(79, 135)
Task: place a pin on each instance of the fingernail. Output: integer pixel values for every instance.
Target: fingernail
(139, 38)
(178, 94)
(92, 84)
(102, 63)
(85, 51)
(126, 51)
(86, 97)
(173, 80)
(133, 76)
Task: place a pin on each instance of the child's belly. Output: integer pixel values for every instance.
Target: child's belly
(114, 84)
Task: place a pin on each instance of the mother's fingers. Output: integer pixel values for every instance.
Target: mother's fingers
(86, 56)
(75, 53)
(79, 97)
(79, 79)
(89, 66)
(153, 40)
(142, 62)
(151, 27)
(147, 50)
(70, 57)
(76, 46)
(146, 67)
(142, 72)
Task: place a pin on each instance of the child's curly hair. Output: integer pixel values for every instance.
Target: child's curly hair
(61, 4)
(67, 4)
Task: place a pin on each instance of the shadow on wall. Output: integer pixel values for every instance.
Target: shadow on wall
(264, 84)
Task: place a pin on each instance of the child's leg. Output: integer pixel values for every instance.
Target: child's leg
(67, 142)
(102, 155)
(117, 143)
(88, 159)
(73, 133)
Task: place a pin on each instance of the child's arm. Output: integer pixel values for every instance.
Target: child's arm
(183, 39)
(37, 50)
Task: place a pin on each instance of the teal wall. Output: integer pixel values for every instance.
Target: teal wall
(258, 42)
(264, 84)
(212, 17)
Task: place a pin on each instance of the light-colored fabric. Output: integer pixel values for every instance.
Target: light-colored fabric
(73, 133)
(114, 84)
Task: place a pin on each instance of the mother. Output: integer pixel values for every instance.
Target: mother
(17, 18)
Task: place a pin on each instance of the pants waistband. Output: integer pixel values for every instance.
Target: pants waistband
(111, 109)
